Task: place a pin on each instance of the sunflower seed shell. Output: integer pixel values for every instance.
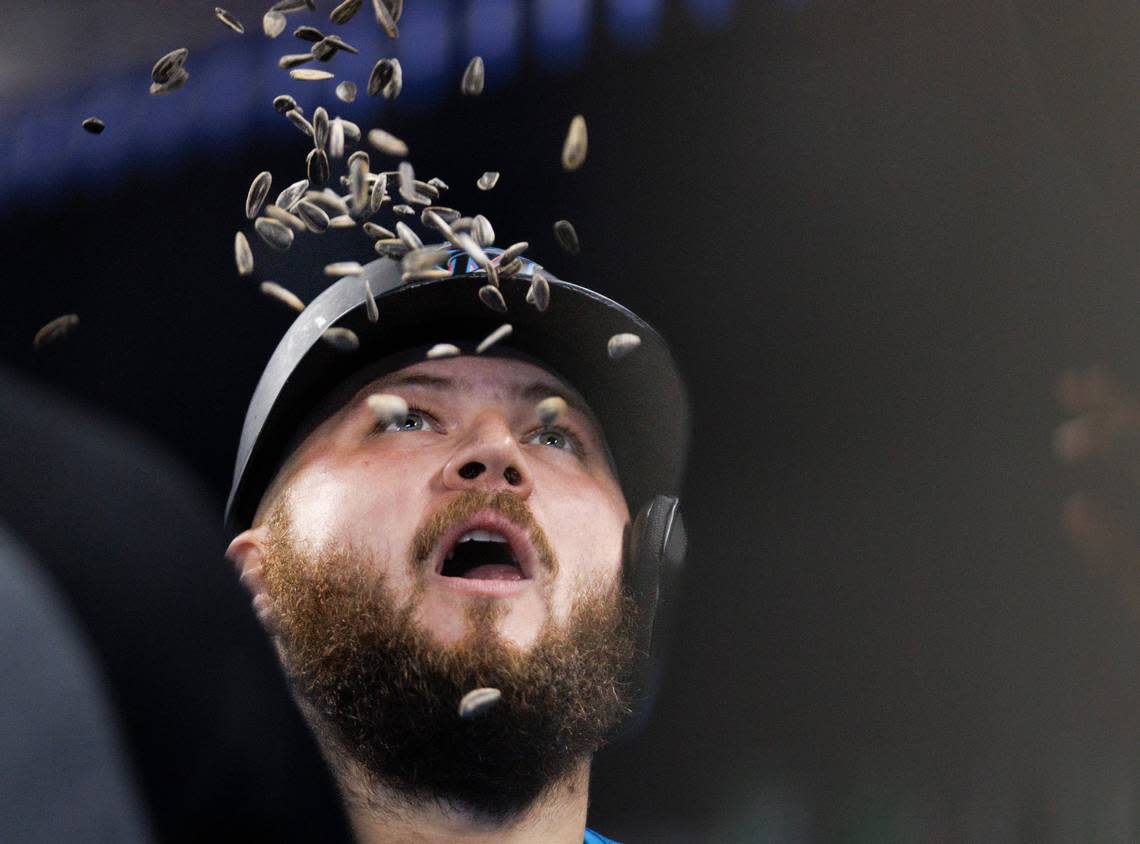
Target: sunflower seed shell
(472, 83)
(57, 329)
(275, 233)
(574, 147)
(478, 701)
(243, 255)
(621, 345)
(276, 291)
(549, 409)
(494, 337)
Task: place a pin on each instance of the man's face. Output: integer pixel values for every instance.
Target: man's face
(383, 636)
(402, 495)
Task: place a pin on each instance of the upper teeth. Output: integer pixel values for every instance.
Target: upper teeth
(478, 536)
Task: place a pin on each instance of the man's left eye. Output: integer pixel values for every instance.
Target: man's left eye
(554, 437)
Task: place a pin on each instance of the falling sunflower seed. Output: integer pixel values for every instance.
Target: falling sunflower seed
(370, 307)
(284, 104)
(378, 194)
(621, 345)
(298, 120)
(490, 296)
(287, 6)
(483, 231)
(396, 7)
(346, 91)
(390, 247)
(387, 408)
(274, 232)
(229, 20)
(472, 82)
(410, 238)
(339, 44)
(317, 167)
(57, 329)
(341, 268)
(175, 82)
(423, 258)
(358, 182)
(442, 350)
(472, 248)
(494, 337)
(438, 183)
(243, 255)
(336, 139)
(314, 217)
(275, 290)
(387, 143)
(167, 67)
(406, 210)
(328, 200)
(375, 231)
(310, 74)
(291, 220)
(488, 180)
(94, 125)
(384, 73)
(478, 701)
(549, 409)
(291, 60)
(512, 252)
(408, 184)
(512, 268)
(292, 194)
(258, 190)
(308, 33)
(385, 19)
(351, 130)
(425, 275)
(574, 147)
(341, 221)
(341, 339)
(448, 215)
(320, 127)
(539, 292)
(567, 237)
(430, 218)
(273, 23)
(343, 13)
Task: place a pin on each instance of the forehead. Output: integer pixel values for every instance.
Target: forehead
(500, 379)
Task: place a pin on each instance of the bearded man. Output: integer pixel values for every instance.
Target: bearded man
(456, 588)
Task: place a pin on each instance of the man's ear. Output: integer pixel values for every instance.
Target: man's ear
(246, 552)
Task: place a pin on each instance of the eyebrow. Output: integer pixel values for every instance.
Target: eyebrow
(533, 391)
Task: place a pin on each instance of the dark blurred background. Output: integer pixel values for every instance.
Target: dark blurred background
(875, 233)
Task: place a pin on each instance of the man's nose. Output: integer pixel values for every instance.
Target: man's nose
(489, 457)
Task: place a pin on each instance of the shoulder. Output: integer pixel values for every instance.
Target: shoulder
(594, 838)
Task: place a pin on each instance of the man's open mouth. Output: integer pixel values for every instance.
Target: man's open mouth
(487, 548)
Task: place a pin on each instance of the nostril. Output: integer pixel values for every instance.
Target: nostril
(512, 475)
(471, 470)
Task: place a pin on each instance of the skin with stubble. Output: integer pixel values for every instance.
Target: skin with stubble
(346, 558)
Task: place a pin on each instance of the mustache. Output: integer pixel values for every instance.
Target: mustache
(472, 501)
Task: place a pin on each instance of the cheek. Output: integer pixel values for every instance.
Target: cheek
(586, 533)
(365, 503)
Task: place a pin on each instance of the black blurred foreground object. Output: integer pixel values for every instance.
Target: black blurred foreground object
(212, 738)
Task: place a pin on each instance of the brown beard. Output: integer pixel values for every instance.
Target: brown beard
(387, 694)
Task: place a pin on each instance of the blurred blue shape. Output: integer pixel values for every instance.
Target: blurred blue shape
(711, 13)
(634, 23)
(425, 43)
(562, 31)
(494, 29)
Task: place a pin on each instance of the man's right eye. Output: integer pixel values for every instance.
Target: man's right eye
(415, 420)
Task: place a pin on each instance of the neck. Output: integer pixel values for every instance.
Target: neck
(379, 815)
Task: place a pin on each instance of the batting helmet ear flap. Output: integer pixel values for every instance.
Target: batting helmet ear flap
(655, 544)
